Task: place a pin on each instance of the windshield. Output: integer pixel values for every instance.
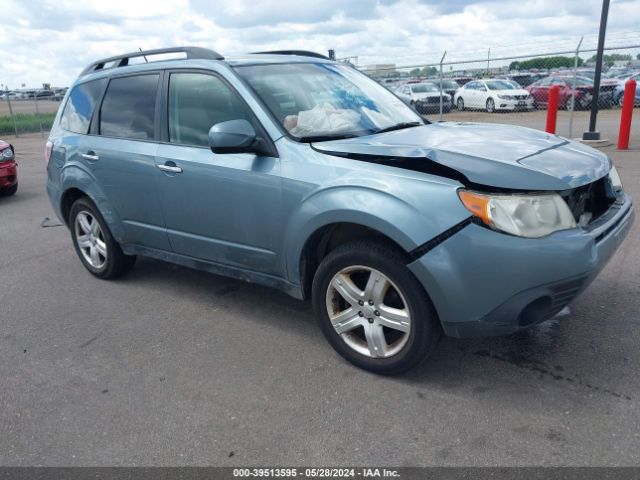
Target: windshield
(424, 88)
(499, 85)
(317, 101)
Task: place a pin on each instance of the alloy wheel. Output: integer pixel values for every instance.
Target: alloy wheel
(491, 106)
(368, 311)
(90, 239)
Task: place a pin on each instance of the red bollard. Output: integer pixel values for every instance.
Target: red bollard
(625, 116)
(552, 109)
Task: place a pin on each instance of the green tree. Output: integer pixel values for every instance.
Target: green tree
(545, 63)
(608, 60)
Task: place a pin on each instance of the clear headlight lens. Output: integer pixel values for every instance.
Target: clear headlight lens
(616, 183)
(6, 154)
(531, 216)
(506, 97)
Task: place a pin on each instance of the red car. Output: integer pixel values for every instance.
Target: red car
(583, 92)
(8, 169)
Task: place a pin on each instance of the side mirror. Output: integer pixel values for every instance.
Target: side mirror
(233, 136)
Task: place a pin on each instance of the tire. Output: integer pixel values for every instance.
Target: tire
(9, 191)
(411, 329)
(620, 99)
(99, 252)
(491, 105)
(460, 104)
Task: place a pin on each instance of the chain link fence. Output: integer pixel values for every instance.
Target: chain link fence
(28, 111)
(514, 89)
(495, 87)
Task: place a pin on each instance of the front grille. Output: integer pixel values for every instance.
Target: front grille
(590, 201)
(521, 97)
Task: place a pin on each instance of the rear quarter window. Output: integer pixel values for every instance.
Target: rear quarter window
(80, 106)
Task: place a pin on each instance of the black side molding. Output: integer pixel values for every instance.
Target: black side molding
(418, 252)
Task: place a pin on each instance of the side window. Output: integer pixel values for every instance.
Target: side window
(79, 108)
(471, 86)
(196, 103)
(128, 108)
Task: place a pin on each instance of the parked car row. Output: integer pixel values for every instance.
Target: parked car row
(525, 91)
(55, 95)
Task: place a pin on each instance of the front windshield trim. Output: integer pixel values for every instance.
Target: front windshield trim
(307, 139)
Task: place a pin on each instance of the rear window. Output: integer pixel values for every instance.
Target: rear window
(128, 109)
(79, 108)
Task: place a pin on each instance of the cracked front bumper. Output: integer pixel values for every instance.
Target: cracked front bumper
(484, 282)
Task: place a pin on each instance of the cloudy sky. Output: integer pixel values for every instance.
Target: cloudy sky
(51, 41)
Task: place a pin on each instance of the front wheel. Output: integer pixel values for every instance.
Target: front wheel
(460, 104)
(372, 309)
(97, 249)
(491, 105)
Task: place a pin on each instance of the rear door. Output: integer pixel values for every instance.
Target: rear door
(224, 208)
(120, 154)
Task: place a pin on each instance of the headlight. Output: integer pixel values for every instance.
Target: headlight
(7, 154)
(531, 216)
(616, 183)
(506, 97)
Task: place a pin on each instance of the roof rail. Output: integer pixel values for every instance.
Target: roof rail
(123, 60)
(302, 53)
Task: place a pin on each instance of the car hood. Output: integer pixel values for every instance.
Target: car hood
(503, 156)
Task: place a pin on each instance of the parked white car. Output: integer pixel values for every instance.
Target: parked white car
(424, 97)
(492, 95)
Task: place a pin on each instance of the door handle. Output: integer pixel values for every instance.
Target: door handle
(170, 168)
(90, 155)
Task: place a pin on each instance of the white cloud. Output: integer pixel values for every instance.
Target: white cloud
(51, 41)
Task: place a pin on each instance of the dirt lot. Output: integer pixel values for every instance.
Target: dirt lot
(171, 366)
(28, 106)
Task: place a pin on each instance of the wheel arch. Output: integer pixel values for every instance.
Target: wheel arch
(329, 237)
(77, 183)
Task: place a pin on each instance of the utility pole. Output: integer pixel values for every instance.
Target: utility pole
(592, 134)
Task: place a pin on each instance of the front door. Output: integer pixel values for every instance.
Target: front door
(224, 208)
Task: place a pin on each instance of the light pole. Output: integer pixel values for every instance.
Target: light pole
(592, 134)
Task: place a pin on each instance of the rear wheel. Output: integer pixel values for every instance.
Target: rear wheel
(97, 249)
(460, 104)
(372, 309)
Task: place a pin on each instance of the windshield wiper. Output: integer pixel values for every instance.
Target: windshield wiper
(325, 138)
(399, 126)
